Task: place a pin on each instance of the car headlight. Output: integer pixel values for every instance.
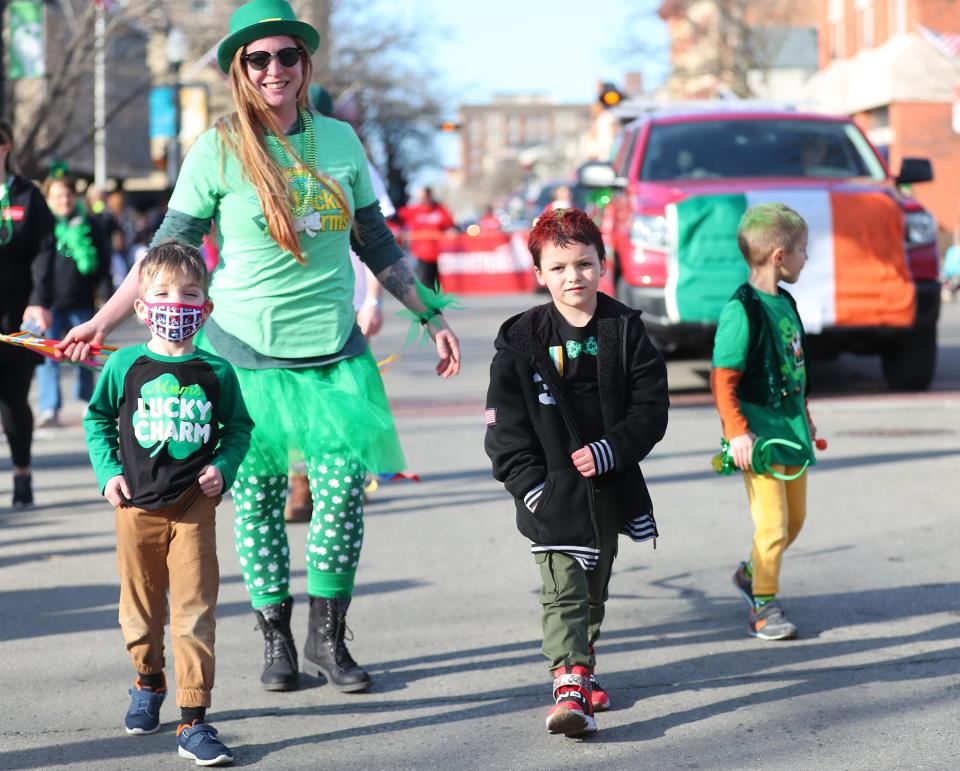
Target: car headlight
(649, 230)
(921, 228)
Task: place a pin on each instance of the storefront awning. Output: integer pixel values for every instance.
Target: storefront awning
(906, 68)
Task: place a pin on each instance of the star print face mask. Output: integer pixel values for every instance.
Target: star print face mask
(174, 322)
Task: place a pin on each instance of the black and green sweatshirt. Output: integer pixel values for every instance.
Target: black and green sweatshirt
(158, 420)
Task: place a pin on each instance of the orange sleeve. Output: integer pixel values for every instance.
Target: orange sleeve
(723, 384)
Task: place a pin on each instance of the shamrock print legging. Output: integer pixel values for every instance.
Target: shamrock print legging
(333, 542)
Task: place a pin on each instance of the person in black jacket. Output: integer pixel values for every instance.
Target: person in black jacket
(26, 293)
(577, 397)
(81, 274)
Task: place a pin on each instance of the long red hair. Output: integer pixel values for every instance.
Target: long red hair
(243, 132)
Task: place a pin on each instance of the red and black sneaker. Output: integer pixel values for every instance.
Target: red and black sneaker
(599, 698)
(572, 715)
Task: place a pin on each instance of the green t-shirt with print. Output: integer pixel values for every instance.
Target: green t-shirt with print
(261, 294)
(730, 347)
(158, 420)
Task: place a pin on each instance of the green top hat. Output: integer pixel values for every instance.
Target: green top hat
(263, 18)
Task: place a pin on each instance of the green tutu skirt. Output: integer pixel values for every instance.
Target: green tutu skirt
(338, 409)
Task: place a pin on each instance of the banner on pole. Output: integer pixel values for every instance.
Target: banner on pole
(26, 40)
(163, 112)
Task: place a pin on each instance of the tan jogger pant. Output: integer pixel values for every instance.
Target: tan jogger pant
(171, 548)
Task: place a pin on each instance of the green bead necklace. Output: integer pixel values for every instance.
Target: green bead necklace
(306, 188)
(6, 220)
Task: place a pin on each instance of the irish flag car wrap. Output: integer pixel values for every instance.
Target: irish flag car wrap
(856, 274)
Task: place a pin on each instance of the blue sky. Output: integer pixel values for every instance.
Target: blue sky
(561, 47)
(558, 47)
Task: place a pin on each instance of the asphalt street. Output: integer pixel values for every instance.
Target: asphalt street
(446, 616)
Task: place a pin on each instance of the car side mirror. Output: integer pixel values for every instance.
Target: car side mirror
(596, 174)
(915, 170)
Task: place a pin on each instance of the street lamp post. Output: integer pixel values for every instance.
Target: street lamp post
(176, 51)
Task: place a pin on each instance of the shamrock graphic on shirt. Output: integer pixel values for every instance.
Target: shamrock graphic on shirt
(172, 416)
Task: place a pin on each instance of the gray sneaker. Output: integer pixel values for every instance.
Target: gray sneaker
(744, 585)
(770, 623)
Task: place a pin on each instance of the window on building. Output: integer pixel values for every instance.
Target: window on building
(896, 17)
(513, 130)
(200, 6)
(495, 128)
(835, 29)
(835, 40)
(865, 22)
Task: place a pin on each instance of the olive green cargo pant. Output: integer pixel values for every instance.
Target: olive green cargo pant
(573, 598)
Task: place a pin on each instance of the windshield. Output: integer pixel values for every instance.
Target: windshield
(755, 147)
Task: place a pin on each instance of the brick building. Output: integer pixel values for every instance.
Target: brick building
(502, 140)
(733, 48)
(894, 66)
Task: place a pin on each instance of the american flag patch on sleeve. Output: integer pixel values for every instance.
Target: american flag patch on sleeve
(490, 416)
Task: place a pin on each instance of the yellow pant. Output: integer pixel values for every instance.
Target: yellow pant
(778, 509)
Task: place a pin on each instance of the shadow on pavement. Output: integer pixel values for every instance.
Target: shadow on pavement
(48, 537)
(796, 663)
(823, 464)
(65, 610)
(46, 556)
(50, 460)
(440, 501)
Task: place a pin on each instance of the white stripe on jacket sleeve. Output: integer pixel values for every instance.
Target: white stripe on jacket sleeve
(531, 499)
(603, 459)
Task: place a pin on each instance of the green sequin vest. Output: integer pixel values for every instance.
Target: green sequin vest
(765, 385)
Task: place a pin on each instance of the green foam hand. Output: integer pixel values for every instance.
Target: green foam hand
(172, 416)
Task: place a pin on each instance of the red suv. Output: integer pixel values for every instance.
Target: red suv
(680, 181)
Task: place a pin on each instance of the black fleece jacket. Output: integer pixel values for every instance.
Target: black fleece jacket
(26, 261)
(72, 289)
(531, 430)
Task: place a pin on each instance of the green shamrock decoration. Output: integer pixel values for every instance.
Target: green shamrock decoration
(172, 416)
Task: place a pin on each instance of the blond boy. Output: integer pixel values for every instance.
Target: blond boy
(759, 381)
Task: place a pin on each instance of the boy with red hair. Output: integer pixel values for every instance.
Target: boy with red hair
(577, 398)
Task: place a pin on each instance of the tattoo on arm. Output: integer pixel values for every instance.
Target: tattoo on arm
(398, 279)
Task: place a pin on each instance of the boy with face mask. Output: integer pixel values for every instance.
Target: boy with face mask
(166, 430)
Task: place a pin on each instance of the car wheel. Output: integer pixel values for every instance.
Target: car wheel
(910, 361)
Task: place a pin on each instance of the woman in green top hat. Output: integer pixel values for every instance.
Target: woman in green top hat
(289, 192)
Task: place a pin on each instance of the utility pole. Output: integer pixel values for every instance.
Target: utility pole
(100, 97)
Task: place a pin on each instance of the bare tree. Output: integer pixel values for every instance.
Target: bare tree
(55, 120)
(384, 83)
(377, 67)
(719, 47)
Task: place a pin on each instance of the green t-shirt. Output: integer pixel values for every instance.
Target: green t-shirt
(158, 420)
(730, 352)
(262, 295)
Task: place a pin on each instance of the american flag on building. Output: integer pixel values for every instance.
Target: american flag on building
(948, 43)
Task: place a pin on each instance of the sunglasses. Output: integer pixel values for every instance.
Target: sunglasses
(260, 60)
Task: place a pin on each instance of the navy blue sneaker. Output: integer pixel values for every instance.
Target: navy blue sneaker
(199, 742)
(143, 716)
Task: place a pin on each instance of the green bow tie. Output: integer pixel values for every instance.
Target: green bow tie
(589, 346)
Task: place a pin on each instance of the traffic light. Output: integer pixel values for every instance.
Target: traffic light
(449, 125)
(609, 96)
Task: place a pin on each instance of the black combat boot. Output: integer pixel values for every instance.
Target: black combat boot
(280, 671)
(326, 652)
